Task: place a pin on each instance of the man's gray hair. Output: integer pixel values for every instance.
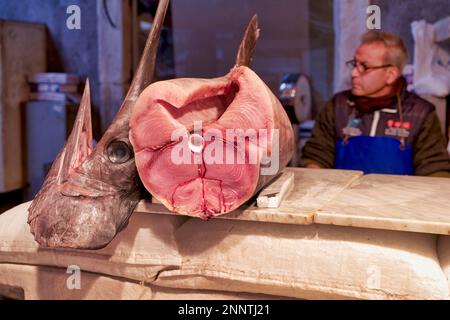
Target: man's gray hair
(396, 55)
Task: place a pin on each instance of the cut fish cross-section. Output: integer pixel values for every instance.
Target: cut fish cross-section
(212, 169)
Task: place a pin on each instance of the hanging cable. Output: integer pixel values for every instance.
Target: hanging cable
(105, 7)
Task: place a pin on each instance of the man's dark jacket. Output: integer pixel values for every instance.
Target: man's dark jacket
(420, 120)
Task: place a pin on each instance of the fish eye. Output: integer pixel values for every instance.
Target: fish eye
(119, 152)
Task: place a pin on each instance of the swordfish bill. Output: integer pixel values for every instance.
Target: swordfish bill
(90, 193)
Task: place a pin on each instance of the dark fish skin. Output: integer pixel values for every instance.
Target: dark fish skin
(89, 194)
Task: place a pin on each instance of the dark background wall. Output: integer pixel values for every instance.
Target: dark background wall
(207, 34)
(72, 51)
(397, 16)
(296, 37)
(321, 58)
(69, 50)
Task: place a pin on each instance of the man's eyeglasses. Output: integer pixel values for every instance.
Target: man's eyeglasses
(361, 67)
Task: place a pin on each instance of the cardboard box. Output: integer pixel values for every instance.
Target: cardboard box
(22, 53)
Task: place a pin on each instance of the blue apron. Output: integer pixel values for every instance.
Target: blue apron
(383, 155)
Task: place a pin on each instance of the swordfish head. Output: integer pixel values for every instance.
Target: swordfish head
(90, 193)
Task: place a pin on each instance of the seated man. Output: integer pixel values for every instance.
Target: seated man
(378, 126)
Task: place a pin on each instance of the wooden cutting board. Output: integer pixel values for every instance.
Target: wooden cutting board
(313, 188)
(406, 203)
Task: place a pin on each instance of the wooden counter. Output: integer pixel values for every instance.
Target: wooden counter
(312, 190)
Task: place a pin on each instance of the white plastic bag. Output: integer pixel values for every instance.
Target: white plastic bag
(431, 63)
